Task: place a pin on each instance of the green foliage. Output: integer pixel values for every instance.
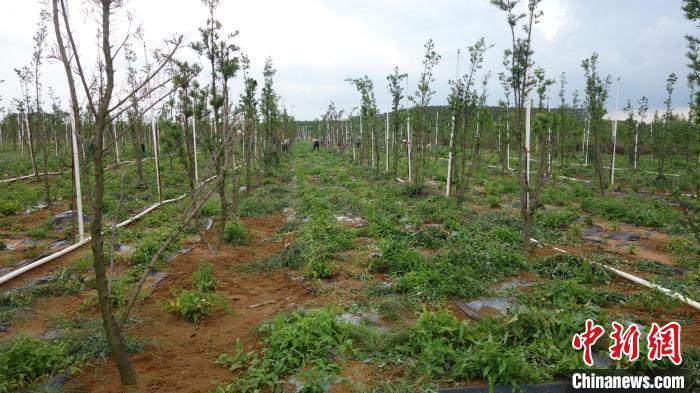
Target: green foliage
(493, 201)
(256, 207)
(85, 339)
(210, 208)
(200, 301)
(8, 207)
(25, 359)
(430, 237)
(38, 232)
(316, 268)
(681, 246)
(565, 293)
(532, 346)
(506, 235)
(203, 279)
(556, 218)
(567, 266)
(236, 233)
(500, 186)
(653, 300)
(193, 305)
(304, 343)
(633, 210)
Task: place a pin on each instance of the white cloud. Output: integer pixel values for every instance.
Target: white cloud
(553, 19)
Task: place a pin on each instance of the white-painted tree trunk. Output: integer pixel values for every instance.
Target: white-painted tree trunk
(76, 178)
(386, 143)
(29, 140)
(194, 149)
(527, 154)
(614, 135)
(636, 145)
(409, 143)
(116, 143)
(156, 155)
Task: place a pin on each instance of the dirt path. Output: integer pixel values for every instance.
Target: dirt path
(183, 357)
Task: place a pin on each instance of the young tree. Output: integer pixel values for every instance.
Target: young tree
(104, 109)
(368, 112)
(519, 64)
(39, 121)
(395, 81)
(596, 95)
(25, 78)
(663, 136)
(269, 111)
(250, 118)
(641, 119)
(421, 99)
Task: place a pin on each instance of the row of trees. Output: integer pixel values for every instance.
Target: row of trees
(221, 141)
(563, 131)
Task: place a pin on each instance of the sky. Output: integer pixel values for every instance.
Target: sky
(317, 44)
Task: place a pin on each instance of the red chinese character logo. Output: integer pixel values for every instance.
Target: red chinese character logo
(665, 342)
(626, 341)
(587, 339)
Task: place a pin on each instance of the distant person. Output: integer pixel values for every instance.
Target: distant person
(143, 149)
(317, 144)
(285, 144)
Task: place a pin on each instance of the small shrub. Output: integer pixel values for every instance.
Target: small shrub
(567, 266)
(236, 233)
(316, 268)
(681, 245)
(8, 207)
(203, 279)
(493, 201)
(653, 300)
(25, 359)
(193, 305)
(556, 218)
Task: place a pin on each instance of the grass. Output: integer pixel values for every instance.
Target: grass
(633, 210)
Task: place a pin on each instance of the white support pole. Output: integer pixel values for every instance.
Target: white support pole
(409, 143)
(116, 143)
(353, 141)
(361, 132)
(528, 105)
(156, 155)
(636, 144)
(651, 134)
(29, 142)
(452, 139)
(76, 179)
(194, 143)
(587, 135)
(20, 134)
(437, 122)
(507, 143)
(549, 141)
(614, 134)
(386, 143)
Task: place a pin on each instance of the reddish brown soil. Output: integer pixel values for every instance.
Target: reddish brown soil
(183, 359)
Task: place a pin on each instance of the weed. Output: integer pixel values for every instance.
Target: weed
(305, 343)
(633, 210)
(556, 218)
(193, 305)
(235, 233)
(567, 266)
(203, 279)
(653, 300)
(565, 293)
(25, 359)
